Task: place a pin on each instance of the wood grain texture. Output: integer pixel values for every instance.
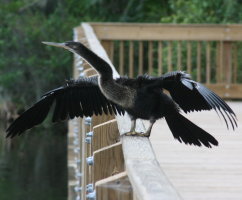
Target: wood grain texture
(189, 57)
(200, 173)
(109, 48)
(84, 167)
(235, 63)
(232, 91)
(169, 56)
(116, 187)
(105, 134)
(131, 59)
(143, 31)
(208, 63)
(160, 57)
(96, 120)
(179, 56)
(89, 72)
(141, 57)
(228, 61)
(145, 174)
(108, 161)
(150, 57)
(121, 57)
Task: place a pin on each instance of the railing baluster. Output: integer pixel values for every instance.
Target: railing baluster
(189, 55)
(112, 51)
(228, 61)
(131, 59)
(141, 51)
(208, 61)
(235, 62)
(169, 57)
(179, 65)
(198, 61)
(218, 63)
(220, 71)
(121, 57)
(160, 48)
(150, 57)
(221, 61)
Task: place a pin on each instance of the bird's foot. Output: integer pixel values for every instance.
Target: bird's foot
(134, 133)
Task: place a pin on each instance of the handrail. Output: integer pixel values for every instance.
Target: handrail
(207, 51)
(141, 31)
(144, 172)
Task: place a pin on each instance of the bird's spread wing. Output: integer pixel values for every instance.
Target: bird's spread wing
(193, 96)
(75, 99)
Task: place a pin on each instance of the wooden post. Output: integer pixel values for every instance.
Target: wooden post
(108, 161)
(150, 57)
(90, 72)
(228, 61)
(189, 57)
(108, 46)
(131, 59)
(235, 62)
(218, 63)
(160, 53)
(96, 120)
(141, 57)
(198, 61)
(111, 51)
(105, 134)
(116, 187)
(179, 65)
(83, 160)
(121, 57)
(169, 56)
(208, 63)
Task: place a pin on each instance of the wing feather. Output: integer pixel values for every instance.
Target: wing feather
(75, 99)
(193, 96)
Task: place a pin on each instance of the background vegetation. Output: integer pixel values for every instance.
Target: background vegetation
(34, 166)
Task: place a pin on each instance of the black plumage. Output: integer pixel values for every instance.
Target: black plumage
(75, 99)
(142, 97)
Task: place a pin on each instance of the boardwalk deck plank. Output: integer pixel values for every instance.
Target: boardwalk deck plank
(201, 173)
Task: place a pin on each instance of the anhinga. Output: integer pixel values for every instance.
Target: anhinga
(142, 97)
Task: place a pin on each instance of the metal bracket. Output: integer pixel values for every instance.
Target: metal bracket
(90, 160)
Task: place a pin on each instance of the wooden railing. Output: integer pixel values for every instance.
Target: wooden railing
(103, 164)
(211, 53)
(122, 167)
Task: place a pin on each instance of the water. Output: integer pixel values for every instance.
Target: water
(34, 166)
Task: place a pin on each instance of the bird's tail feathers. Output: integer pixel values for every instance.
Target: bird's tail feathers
(187, 132)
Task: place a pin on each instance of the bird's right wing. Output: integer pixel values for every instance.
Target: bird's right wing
(193, 96)
(75, 99)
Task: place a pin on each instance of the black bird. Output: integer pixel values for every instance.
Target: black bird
(142, 97)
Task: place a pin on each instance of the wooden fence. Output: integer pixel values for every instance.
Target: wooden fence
(102, 163)
(211, 53)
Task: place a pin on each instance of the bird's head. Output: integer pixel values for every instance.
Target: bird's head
(69, 45)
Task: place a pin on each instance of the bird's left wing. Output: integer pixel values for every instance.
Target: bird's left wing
(193, 96)
(75, 99)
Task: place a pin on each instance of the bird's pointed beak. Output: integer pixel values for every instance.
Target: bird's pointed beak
(60, 45)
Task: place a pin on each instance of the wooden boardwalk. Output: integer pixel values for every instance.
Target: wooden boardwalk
(202, 173)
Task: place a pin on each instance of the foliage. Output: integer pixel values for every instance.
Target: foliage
(35, 168)
(211, 12)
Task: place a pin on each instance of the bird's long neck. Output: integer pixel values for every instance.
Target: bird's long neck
(111, 90)
(101, 66)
